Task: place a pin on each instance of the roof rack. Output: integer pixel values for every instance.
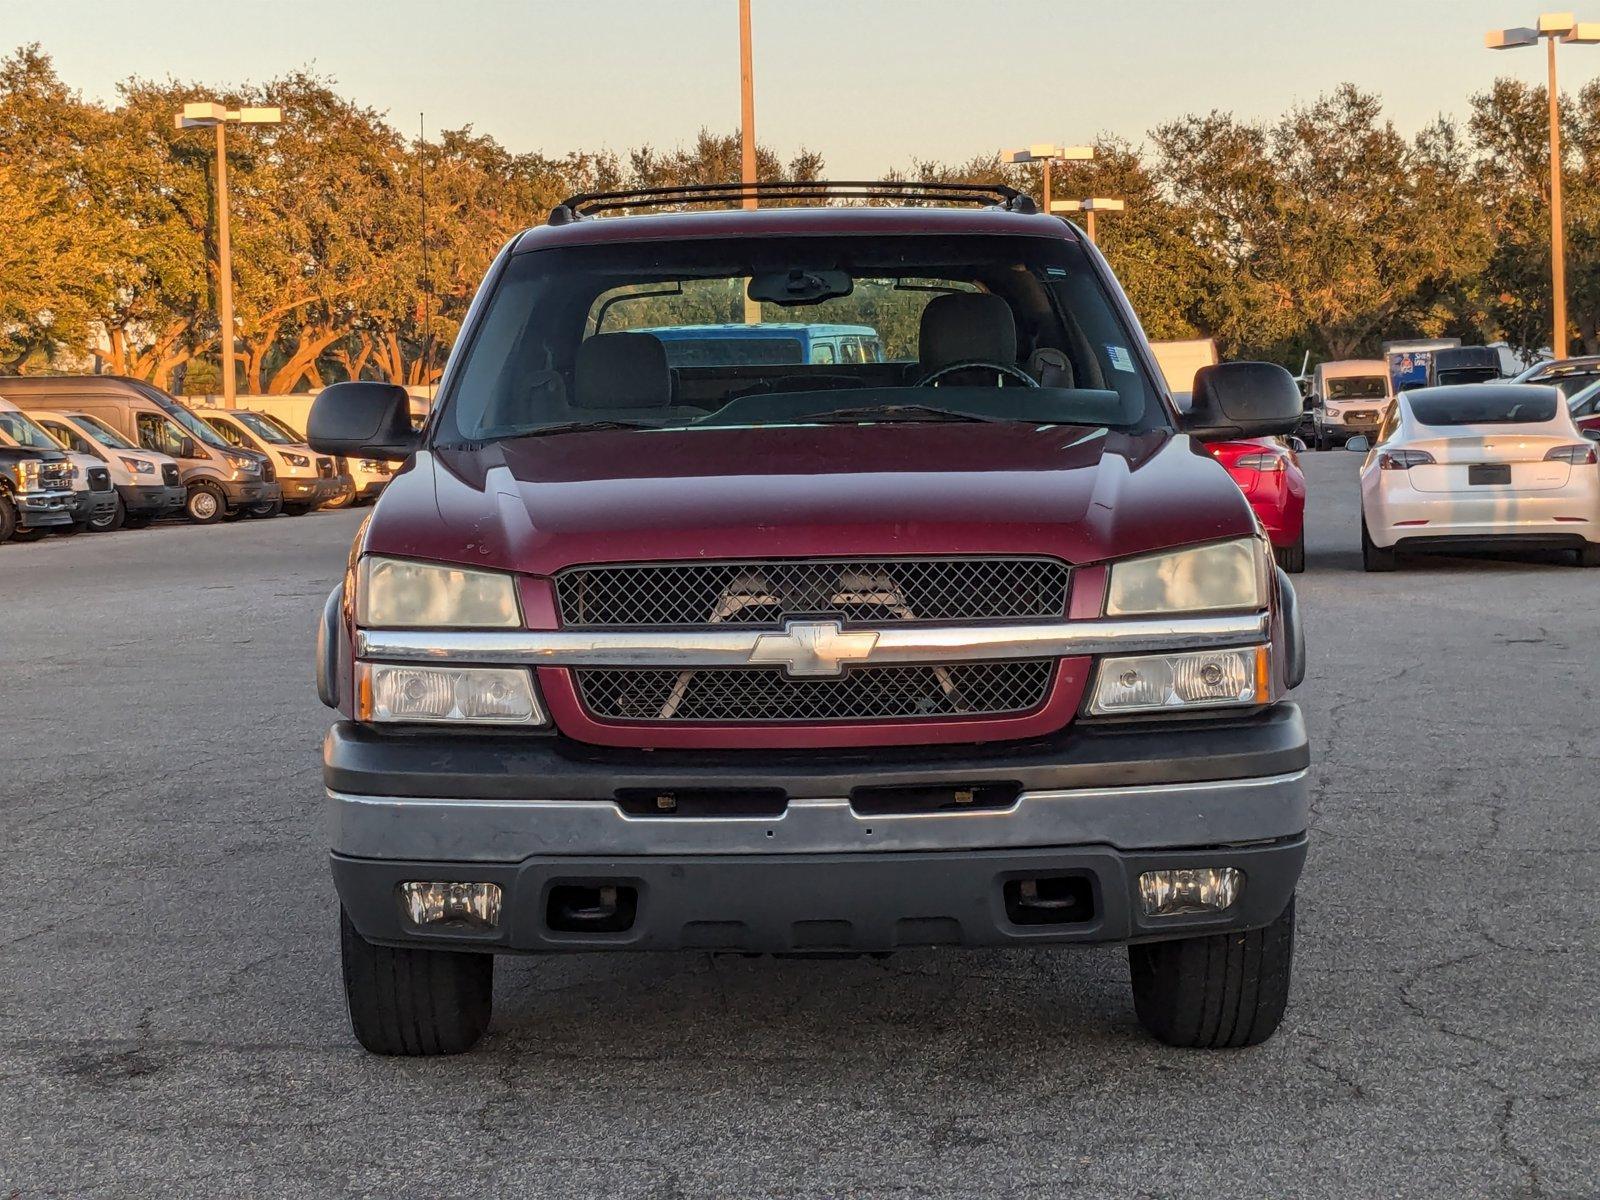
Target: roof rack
(992, 195)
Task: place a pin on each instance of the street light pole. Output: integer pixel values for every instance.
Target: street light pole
(1045, 154)
(199, 116)
(1089, 207)
(747, 131)
(1551, 28)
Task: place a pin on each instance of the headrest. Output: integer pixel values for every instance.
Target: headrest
(622, 370)
(960, 326)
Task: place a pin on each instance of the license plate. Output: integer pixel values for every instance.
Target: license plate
(1489, 473)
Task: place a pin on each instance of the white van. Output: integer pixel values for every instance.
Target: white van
(1349, 398)
(148, 484)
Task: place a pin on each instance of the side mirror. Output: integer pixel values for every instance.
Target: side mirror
(1297, 445)
(1241, 400)
(1359, 444)
(1592, 434)
(187, 448)
(362, 420)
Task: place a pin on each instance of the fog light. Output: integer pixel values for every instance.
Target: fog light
(1195, 890)
(465, 905)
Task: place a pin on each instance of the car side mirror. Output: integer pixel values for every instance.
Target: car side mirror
(1359, 444)
(1239, 400)
(1297, 445)
(187, 448)
(362, 420)
(1592, 434)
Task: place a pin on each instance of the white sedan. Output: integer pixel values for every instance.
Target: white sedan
(1479, 466)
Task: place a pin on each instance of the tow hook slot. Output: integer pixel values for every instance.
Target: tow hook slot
(923, 798)
(1049, 900)
(591, 907)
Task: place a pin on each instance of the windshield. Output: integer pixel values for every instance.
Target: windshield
(1358, 387)
(1479, 405)
(264, 429)
(24, 432)
(774, 331)
(102, 433)
(283, 427)
(196, 427)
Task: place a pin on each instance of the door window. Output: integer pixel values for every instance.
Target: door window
(159, 434)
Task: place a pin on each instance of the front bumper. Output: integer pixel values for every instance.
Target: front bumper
(820, 868)
(310, 489)
(152, 500)
(249, 491)
(44, 510)
(90, 506)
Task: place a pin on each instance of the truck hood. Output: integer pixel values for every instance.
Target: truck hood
(540, 504)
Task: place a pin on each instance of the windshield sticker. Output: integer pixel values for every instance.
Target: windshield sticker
(1120, 358)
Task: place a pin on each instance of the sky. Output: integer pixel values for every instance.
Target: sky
(870, 84)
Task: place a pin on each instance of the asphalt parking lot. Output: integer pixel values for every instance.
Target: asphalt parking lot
(171, 1021)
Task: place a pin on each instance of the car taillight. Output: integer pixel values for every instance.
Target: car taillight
(1572, 455)
(1402, 460)
(1260, 462)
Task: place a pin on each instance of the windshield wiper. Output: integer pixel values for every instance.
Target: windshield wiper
(899, 412)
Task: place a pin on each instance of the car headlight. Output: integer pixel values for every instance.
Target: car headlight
(388, 692)
(1211, 578)
(1167, 682)
(28, 472)
(138, 466)
(240, 463)
(297, 460)
(394, 593)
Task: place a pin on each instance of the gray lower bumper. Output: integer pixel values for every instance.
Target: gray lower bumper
(42, 510)
(1127, 818)
(152, 499)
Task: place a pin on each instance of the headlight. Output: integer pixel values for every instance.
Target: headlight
(1167, 682)
(139, 467)
(28, 470)
(393, 593)
(239, 462)
(297, 460)
(1223, 575)
(388, 692)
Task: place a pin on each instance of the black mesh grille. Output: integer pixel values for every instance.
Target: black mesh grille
(99, 479)
(765, 594)
(269, 473)
(325, 468)
(170, 475)
(741, 695)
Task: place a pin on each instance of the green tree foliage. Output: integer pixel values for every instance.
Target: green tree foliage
(1323, 231)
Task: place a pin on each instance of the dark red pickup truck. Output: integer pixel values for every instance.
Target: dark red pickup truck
(943, 630)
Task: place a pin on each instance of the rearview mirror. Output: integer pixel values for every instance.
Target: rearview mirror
(1242, 400)
(799, 287)
(1359, 444)
(362, 420)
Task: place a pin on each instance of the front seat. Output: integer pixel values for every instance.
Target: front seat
(624, 376)
(963, 326)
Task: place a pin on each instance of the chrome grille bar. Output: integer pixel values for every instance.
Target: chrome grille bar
(896, 645)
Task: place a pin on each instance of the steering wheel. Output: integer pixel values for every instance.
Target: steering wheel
(968, 364)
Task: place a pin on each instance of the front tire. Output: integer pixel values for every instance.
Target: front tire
(207, 504)
(296, 510)
(414, 1002)
(1376, 558)
(343, 500)
(8, 518)
(112, 521)
(1589, 556)
(1292, 558)
(270, 509)
(1220, 991)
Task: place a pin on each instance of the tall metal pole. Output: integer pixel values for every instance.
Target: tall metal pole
(747, 131)
(1558, 249)
(224, 271)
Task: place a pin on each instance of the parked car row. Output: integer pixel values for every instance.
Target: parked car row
(103, 452)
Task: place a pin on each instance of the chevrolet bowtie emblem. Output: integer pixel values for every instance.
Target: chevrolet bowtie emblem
(813, 647)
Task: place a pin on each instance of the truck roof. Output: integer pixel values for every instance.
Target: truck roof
(1345, 368)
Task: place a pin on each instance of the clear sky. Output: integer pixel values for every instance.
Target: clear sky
(869, 83)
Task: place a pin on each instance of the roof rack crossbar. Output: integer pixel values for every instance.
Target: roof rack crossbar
(588, 204)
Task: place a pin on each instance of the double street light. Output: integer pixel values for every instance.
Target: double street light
(199, 116)
(1552, 27)
(1095, 204)
(1047, 153)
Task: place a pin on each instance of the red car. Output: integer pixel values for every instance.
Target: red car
(960, 646)
(1267, 471)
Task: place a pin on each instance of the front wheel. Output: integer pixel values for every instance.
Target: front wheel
(296, 510)
(207, 504)
(1589, 556)
(343, 500)
(112, 521)
(1292, 558)
(1220, 991)
(414, 1002)
(270, 509)
(1376, 558)
(8, 518)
